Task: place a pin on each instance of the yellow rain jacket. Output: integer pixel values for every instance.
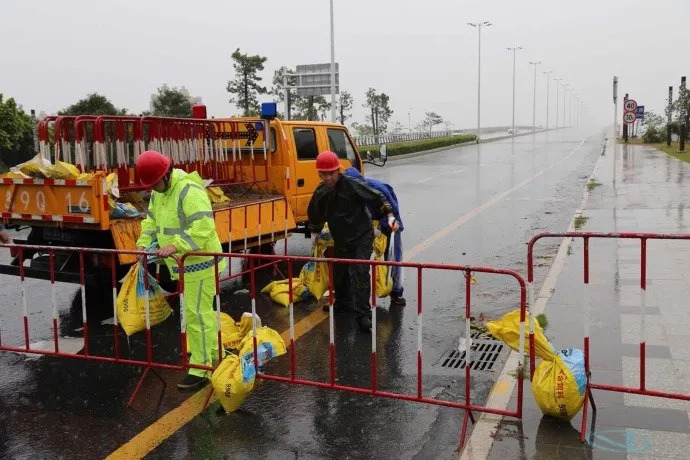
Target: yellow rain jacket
(183, 216)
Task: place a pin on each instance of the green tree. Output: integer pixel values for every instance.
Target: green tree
(311, 108)
(432, 119)
(362, 130)
(171, 102)
(380, 111)
(345, 106)
(93, 104)
(246, 86)
(16, 134)
(278, 90)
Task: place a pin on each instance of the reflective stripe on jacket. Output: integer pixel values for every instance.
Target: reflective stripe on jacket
(183, 216)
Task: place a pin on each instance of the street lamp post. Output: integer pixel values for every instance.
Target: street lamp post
(514, 49)
(479, 26)
(558, 92)
(332, 68)
(565, 90)
(534, 97)
(548, 76)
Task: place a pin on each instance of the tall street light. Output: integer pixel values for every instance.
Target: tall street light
(565, 90)
(558, 92)
(514, 49)
(479, 26)
(534, 97)
(332, 68)
(548, 76)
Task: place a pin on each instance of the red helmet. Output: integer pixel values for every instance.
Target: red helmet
(327, 161)
(151, 167)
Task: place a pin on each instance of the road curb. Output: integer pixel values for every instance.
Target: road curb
(478, 445)
(406, 156)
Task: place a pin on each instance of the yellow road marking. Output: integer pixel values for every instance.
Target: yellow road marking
(152, 436)
(160, 430)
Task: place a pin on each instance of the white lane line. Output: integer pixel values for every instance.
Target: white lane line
(424, 180)
(409, 255)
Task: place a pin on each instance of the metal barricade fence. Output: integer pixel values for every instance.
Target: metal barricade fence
(467, 405)
(586, 237)
(256, 262)
(52, 251)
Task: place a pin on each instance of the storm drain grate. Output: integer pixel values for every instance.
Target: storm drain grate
(486, 354)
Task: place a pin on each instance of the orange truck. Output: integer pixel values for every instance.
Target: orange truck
(260, 173)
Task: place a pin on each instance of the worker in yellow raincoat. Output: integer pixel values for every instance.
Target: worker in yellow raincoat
(180, 220)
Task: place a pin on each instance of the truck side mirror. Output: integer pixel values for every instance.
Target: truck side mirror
(382, 157)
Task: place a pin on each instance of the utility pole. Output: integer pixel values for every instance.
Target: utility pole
(534, 97)
(514, 49)
(478, 26)
(669, 116)
(615, 120)
(683, 115)
(332, 68)
(625, 125)
(548, 75)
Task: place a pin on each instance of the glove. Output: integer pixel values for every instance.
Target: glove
(393, 223)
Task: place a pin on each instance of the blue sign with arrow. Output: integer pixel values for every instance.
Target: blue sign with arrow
(639, 112)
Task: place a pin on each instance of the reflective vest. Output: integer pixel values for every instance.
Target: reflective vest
(183, 216)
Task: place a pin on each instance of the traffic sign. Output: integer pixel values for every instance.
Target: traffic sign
(630, 105)
(639, 112)
(629, 117)
(315, 79)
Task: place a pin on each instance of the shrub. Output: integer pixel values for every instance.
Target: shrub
(421, 145)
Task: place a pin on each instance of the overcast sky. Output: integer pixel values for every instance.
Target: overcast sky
(421, 53)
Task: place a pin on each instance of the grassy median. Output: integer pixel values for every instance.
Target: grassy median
(421, 145)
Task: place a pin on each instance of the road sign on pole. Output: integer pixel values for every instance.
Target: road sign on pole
(639, 112)
(629, 117)
(630, 105)
(315, 79)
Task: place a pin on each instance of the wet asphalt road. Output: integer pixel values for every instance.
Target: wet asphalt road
(476, 205)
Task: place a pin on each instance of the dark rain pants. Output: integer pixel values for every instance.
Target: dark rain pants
(352, 282)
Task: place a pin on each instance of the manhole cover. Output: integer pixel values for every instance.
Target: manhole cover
(488, 355)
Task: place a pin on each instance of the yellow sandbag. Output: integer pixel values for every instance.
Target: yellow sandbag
(216, 195)
(230, 335)
(229, 385)
(507, 329)
(245, 324)
(37, 167)
(559, 384)
(384, 282)
(229, 332)
(15, 175)
(559, 380)
(63, 170)
(314, 276)
(131, 302)
(279, 291)
(235, 378)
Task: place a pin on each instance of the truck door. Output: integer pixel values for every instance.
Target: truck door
(306, 148)
(340, 143)
(309, 141)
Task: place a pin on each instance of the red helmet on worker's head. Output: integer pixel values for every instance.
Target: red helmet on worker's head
(151, 167)
(327, 162)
